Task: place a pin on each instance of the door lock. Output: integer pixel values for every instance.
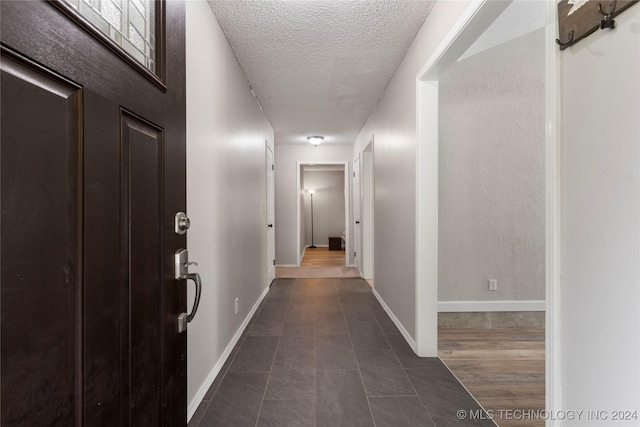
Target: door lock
(182, 223)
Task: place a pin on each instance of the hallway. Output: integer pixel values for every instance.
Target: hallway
(322, 352)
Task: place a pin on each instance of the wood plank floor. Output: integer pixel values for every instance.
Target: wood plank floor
(502, 368)
(322, 257)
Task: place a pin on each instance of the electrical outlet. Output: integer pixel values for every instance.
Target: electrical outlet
(493, 285)
(237, 306)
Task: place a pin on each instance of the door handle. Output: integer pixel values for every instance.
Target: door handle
(185, 318)
(357, 222)
(182, 273)
(270, 225)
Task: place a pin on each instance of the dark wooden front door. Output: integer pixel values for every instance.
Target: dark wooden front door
(93, 171)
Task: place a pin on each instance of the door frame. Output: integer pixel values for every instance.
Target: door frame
(475, 20)
(347, 212)
(367, 209)
(357, 203)
(271, 268)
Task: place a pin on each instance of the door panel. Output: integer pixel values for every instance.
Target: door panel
(142, 298)
(123, 324)
(356, 214)
(40, 269)
(103, 276)
(367, 190)
(271, 239)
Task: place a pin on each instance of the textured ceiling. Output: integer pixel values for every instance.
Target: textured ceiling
(318, 67)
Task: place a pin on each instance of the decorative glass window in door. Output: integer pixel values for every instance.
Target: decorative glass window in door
(129, 23)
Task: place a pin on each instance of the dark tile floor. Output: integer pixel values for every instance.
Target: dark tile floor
(322, 352)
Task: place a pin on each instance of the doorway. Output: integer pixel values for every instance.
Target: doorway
(271, 234)
(368, 203)
(363, 207)
(326, 226)
(470, 27)
(493, 223)
(357, 217)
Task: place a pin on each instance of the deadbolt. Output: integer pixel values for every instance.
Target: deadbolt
(182, 223)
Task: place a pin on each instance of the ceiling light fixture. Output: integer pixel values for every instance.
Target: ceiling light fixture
(315, 140)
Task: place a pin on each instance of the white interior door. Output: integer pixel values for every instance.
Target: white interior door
(357, 258)
(271, 234)
(366, 212)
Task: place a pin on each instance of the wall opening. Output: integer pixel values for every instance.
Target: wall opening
(330, 182)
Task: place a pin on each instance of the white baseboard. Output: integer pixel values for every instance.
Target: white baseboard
(304, 250)
(482, 306)
(317, 246)
(195, 402)
(395, 321)
(286, 265)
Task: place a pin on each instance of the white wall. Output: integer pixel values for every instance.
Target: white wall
(287, 195)
(226, 194)
(328, 206)
(394, 124)
(600, 228)
(491, 173)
